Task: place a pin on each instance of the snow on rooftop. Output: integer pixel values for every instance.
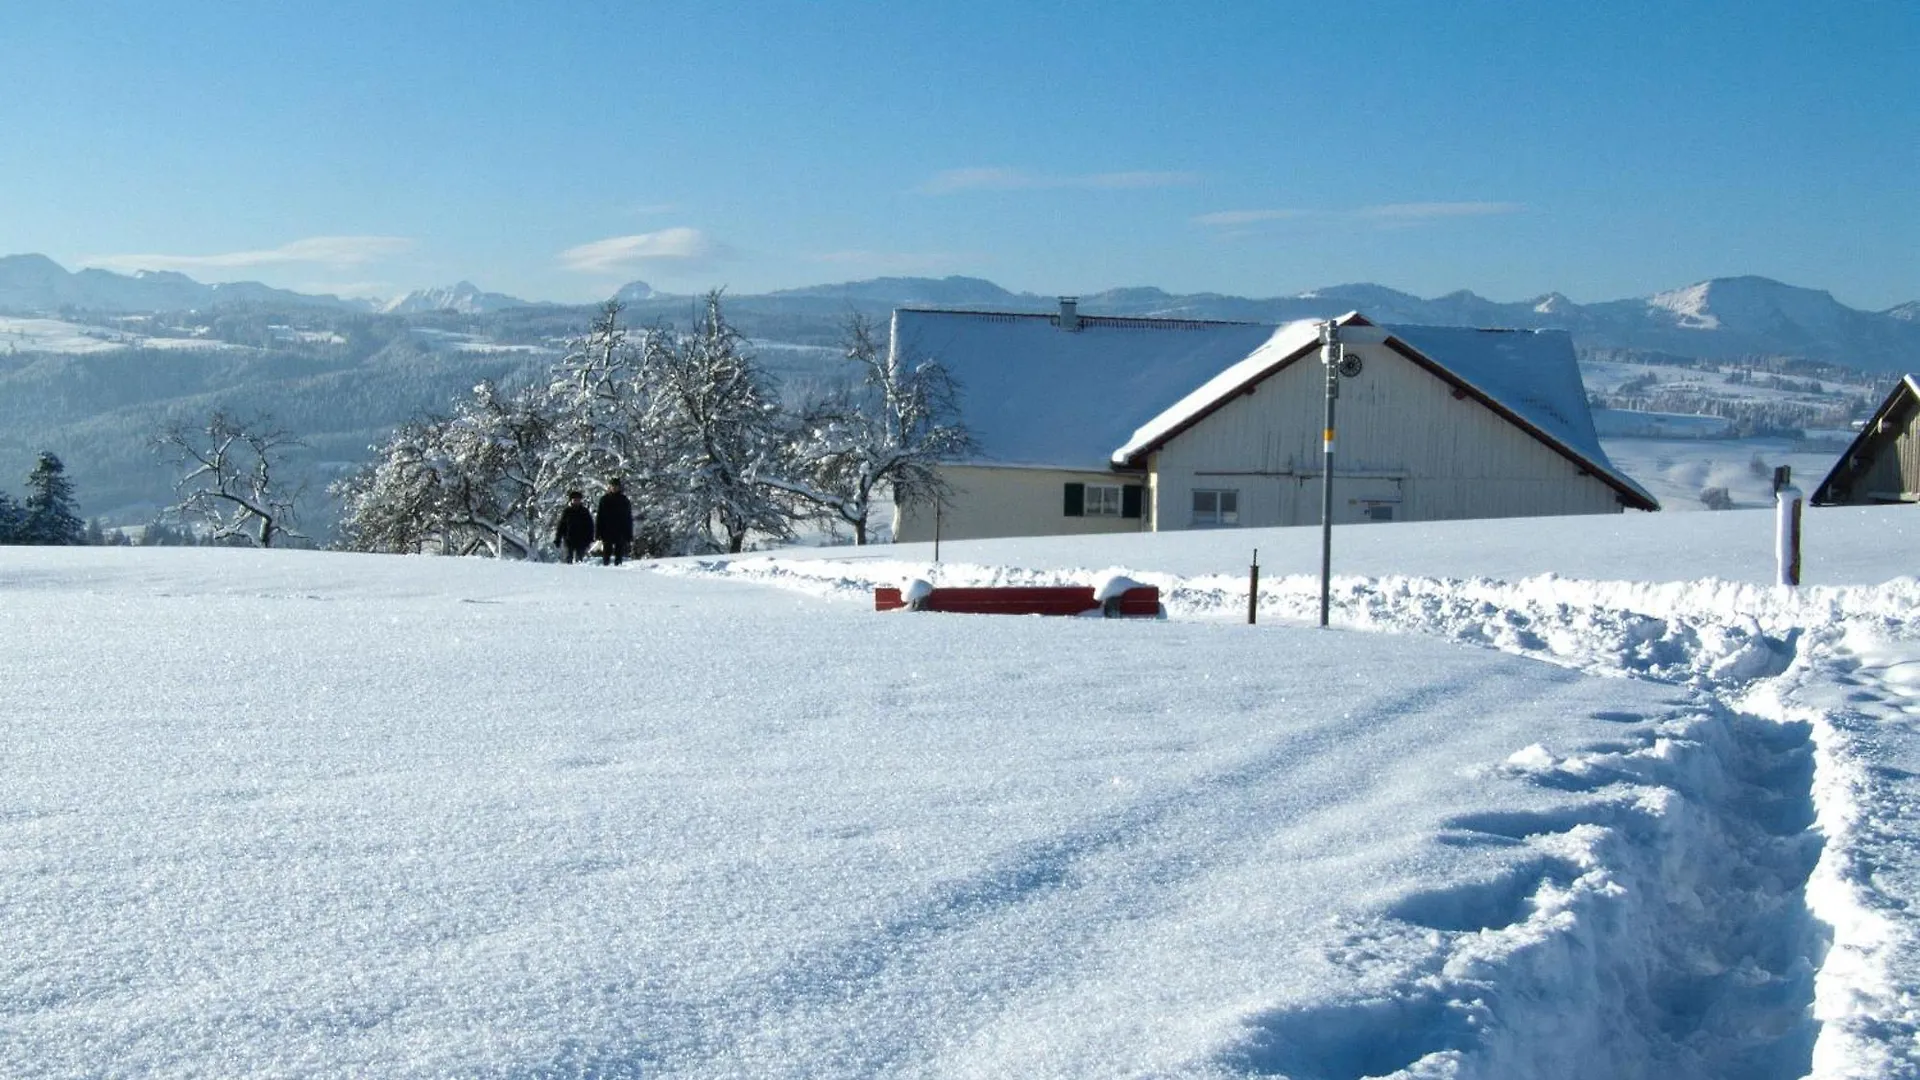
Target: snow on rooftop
(1034, 394)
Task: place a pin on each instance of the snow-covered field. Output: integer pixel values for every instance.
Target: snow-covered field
(1553, 798)
(1728, 382)
(57, 336)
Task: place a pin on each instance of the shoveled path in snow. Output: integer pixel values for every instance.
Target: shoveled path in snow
(1858, 685)
(1733, 986)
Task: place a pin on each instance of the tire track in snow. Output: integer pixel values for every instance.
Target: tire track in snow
(1050, 892)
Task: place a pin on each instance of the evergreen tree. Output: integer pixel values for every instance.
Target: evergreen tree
(50, 518)
(13, 520)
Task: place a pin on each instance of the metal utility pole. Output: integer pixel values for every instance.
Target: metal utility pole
(1339, 365)
(1329, 359)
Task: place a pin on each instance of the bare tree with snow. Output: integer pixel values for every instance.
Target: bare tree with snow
(229, 483)
(480, 479)
(721, 436)
(398, 502)
(890, 430)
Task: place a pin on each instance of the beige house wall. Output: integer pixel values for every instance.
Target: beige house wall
(1407, 449)
(990, 501)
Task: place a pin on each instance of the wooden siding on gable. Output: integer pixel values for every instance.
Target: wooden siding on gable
(1893, 474)
(1449, 455)
(1883, 464)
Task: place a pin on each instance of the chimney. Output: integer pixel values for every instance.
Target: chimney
(1069, 313)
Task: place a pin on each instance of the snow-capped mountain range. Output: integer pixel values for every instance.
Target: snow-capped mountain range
(464, 297)
(1720, 318)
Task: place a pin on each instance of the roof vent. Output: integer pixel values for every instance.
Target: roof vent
(1069, 313)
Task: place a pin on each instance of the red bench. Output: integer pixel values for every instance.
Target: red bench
(1143, 601)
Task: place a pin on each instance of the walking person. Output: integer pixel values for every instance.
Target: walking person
(614, 524)
(573, 533)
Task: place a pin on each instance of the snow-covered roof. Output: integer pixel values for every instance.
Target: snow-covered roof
(1530, 376)
(1035, 394)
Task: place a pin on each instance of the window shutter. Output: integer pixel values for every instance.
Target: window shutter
(1076, 500)
(1130, 501)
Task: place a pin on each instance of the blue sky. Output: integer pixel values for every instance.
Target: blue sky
(556, 151)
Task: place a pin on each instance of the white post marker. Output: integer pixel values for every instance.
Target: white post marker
(1786, 541)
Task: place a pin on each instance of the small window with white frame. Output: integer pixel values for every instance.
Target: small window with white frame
(1103, 500)
(1215, 507)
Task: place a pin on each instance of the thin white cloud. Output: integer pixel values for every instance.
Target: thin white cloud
(687, 247)
(1430, 211)
(996, 178)
(1230, 218)
(331, 251)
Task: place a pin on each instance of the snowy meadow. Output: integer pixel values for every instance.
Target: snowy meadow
(1552, 797)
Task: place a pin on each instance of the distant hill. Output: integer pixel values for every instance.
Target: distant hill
(912, 291)
(35, 284)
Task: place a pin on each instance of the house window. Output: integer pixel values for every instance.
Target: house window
(1216, 507)
(1103, 500)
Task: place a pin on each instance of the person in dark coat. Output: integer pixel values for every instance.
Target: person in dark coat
(614, 524)
(573, 533)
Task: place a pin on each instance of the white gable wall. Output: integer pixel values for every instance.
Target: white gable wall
(1405, 442)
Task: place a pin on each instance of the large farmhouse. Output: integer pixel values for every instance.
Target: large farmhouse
(1883, 464)
(1097, 424)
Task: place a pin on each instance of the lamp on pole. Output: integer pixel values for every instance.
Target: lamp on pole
(1338, 365)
